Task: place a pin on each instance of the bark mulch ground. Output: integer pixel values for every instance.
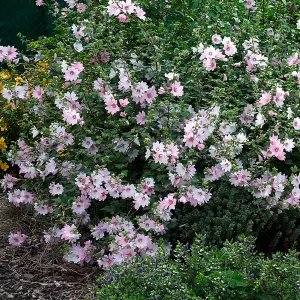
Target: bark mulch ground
(36, 270)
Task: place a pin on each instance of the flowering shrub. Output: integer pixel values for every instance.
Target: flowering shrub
(133, 109)
(198, 272)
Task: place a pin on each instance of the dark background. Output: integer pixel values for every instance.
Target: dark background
(25, 17)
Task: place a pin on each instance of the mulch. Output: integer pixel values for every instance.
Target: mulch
(36, 270)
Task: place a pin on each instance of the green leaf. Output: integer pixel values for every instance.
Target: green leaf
(234, 279)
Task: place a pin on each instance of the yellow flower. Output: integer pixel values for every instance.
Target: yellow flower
(42, 66)
(44, 82)
(61, 152)
(2, 143)
(5, 75)
(3, 165)
(3, 126)
(19, 80)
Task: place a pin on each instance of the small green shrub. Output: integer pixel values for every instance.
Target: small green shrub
(235, 271)
(233, 211)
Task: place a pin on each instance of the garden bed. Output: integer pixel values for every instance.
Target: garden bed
(36, 270)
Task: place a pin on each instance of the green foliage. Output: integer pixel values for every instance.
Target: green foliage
(235, 271)
(233, 211)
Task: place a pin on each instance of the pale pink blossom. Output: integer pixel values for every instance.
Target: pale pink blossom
(141, 200)
(87, 143)
(38, 92)
(71, 74)
(296, 123)
(123, 18)
(216, 39)
(209, 64)
(111, 104)
(177, 89)
(16, 239)
(140, 13)
(39, 2)
(142, 241)
(264, 99)
(113, 9)
(56, 189)
(140, 118)
(70, 233)
(81, 7)
(124, 102)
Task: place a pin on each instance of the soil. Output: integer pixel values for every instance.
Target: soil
(36, 270)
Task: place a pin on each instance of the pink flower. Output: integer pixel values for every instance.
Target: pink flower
(124, 102)
(3, 53)
(104, 56)
(70, 116)
(77, 254)
(293, 60)
(111, 104)
(276, 148)
(16, 239)
(140, 118)
(142, 241)
(39, 2)
(240, 178)
(249, 4)
(43, 209)
(7, 94)
(106, 261)
(296, 123)
(279, 97)
(288, 145)
(190, 140)
(216, 39)
(56, 189)
(209, 52)
(78, 66)
(140, 13)
(168, 203)
(161, 91)
(128, 191)
(174, 151)
(21, 91)
(11, 52)
(71, 74)
(113, 9)
(230, 49)
(71, 3)
(150, 95)
(122, 18)
(50, 167)
(80, 206)
(209, 64)
(81, 7)
(141, 200)
(127, 7)
(264, 99)
(177, 89)
(87, 143)
(271, 113)
(69, 233)
(38, 93)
